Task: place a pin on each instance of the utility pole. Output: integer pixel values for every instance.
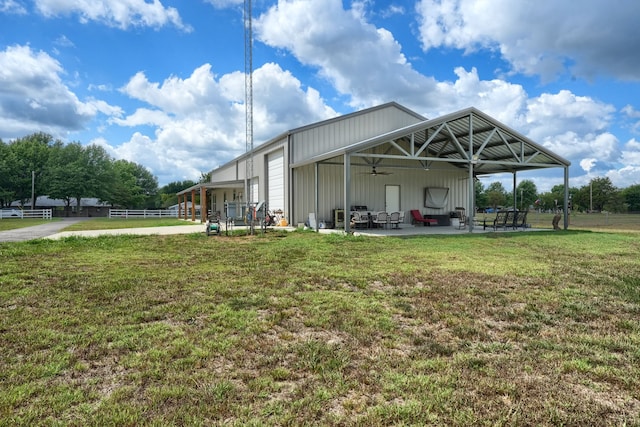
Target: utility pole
(248, 105)
(521, 196)
(33, 190)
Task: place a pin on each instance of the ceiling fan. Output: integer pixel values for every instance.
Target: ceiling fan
(374, 172)
(464, 178)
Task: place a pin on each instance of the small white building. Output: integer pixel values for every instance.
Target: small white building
(385, 158)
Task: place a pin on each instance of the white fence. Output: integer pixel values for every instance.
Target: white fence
(25, 213)
(142, 213)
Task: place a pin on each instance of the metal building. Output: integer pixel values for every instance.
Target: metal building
(385, 158)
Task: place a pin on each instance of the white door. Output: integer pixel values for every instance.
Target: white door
(392, 198)
(275, 181)
(254, 192)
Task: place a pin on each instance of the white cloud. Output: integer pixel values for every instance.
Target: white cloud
(122, 14)
(63, 41)
(224, 3)
(544, 38)
(200, 121)
(631, 154)
(587, 164)
(570, 145)
(12, 7)
(624, 177)
(391, 10)
(552, 114)
(34, 96)
(503, 100)
(361, 61)
(632, 115)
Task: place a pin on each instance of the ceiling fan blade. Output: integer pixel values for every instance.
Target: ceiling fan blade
(375, 172)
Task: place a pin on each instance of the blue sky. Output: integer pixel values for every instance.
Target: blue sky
(161, 82)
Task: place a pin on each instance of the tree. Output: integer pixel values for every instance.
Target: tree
(481, 197)
(66, 172)
(30, 156)
(7, 166)
(99, 174)
(527, 193)
(603, 194)
(632, 197)
(168, 192)
(134, 185)
(496, 195)
(76, 171)
(204, 177)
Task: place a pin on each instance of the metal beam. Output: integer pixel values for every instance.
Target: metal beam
(347, 192)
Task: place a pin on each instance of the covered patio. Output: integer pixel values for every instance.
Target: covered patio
(467, 141)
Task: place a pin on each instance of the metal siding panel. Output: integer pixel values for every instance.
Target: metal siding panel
(226, 173)
(337, 134)
(275, 181)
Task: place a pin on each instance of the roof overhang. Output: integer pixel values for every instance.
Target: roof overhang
(467, 138)
(211, 185)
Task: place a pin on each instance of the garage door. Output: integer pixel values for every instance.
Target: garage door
(275, 181)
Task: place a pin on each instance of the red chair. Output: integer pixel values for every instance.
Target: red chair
(416, 216)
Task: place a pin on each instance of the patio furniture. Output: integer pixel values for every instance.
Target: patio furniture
(521, 219)
(505, 219)
(416, 217)
(358, 219)
(462, 217)
(381, 218)
(394, 219)
(499, 221)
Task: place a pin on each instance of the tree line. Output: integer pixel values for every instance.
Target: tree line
(597, 196)
(74, 171)
(39, 165)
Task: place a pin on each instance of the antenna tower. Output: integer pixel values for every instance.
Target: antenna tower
(248, 105)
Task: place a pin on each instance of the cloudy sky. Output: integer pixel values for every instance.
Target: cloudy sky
(160, 82)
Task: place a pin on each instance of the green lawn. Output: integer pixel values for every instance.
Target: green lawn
(302, 328)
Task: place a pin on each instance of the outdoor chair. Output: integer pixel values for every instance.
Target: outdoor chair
(394, 219)
(462, 217)
(510, 221)
(416, 217)
(381, 218)
(358, 219)
(500, 220)
(521, 219)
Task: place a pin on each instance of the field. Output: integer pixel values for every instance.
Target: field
(305, 329)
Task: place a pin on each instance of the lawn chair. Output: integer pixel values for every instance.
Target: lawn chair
(358, 219)
(381, 218)
(521, 219)
(500, 220)
(462, 217)
(394, 219)
(416, 217)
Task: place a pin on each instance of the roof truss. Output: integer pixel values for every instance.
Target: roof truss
(460, 139)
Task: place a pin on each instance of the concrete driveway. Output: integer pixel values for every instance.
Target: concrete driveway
(37, 231)
(52, 229)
